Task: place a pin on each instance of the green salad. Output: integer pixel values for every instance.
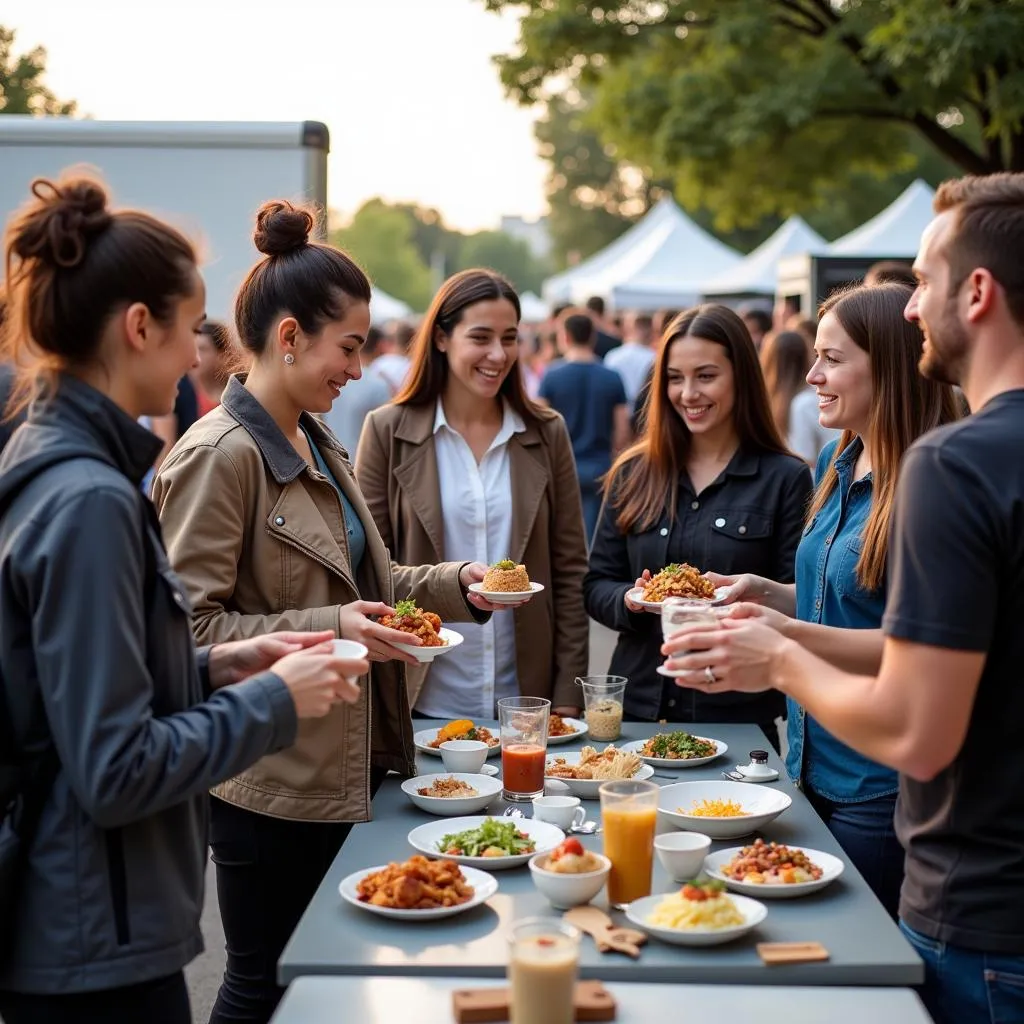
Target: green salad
(493, 838)
(678, 746)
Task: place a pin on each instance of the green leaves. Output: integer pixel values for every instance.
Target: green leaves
(22, 88)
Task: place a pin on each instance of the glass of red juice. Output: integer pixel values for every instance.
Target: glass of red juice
(524, 746)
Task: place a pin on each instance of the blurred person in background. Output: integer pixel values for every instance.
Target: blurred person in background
(592, 401)
(463, 465)
(786, 360)
(633, 359)
(758, 321)
(217, 357)
(361, 396)
(890, 271)
(607, 337)
(392, 364)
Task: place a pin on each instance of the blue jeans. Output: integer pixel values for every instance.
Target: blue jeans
(591, 497)
(865, 832)
(963, 986)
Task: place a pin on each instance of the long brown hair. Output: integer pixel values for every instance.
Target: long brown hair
(785, 360)
(904, 405)
(428, 373)
(644, 478)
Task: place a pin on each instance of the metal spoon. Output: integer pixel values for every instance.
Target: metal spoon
(512, 812)
(586, 828)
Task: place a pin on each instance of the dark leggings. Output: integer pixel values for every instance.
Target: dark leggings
(162, 1001)
(267, 872)
(866, 833)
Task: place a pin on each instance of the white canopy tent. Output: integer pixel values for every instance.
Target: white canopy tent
(533, 307)
(896, 231)
(384, 307)
(658, 263)
(757, 273)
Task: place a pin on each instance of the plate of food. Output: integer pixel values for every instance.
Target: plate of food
(676, 580)
(584, 772)
(565, 730)
(678, 749)
(452, 795)
(698, 914)
(772, 870)
(486, 842)
(428, 741)
(418, 890)
(505, 582)
(435, 639)
(721, 810)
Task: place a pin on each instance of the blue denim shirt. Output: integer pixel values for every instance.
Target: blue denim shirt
(827, 591)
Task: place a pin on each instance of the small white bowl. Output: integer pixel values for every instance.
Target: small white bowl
(425, 654)
(348, 649)
(464, 755)
(682, 854)
(565, 891)
(452, 806)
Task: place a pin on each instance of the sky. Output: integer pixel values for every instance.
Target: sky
(406, 87)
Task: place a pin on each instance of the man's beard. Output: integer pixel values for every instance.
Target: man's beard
(944, 361)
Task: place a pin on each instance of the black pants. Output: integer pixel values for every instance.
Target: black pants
(267, 872)
(163, 1001)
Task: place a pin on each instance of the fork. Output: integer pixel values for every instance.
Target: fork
(512, 812)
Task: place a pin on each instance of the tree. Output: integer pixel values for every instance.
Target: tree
(380, 239)
(21, 81)
(437, 244)
(505, 254)
(767, 107)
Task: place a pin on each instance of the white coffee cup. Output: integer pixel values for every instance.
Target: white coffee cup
(349, 649)
(464, 755)
(563, 811)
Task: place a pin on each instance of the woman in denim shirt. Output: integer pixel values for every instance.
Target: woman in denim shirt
(868, 385)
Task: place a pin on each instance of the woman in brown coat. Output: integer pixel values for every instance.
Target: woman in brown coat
(265, 524)
(464, 465)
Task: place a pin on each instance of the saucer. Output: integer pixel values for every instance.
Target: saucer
(771, 776)
(492, 769)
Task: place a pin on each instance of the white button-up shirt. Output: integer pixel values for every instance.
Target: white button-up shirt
(476, 502)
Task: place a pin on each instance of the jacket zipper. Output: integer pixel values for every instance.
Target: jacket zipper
(118, 884)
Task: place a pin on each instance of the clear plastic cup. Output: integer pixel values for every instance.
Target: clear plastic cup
(524, 746)
(543, 964)
(602, 705)
(629, 816)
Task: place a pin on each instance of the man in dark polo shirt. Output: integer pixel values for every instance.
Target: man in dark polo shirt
(947, 706)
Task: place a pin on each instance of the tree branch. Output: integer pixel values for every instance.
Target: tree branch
(815, 26)
(815, 33)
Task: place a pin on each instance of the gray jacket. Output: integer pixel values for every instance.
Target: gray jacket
(97, 656)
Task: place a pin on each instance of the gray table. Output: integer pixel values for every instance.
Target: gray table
(429, 1001)
(865, 946)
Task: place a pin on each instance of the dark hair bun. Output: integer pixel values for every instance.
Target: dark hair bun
(282, 227)
(59, 225)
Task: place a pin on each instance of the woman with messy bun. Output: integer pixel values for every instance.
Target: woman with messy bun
(265, 523)
(109, 735)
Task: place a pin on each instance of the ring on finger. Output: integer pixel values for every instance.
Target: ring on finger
(709, 676)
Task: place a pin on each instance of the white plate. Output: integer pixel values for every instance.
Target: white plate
(425, 654)
(580, 726)
(762, 805)
(668, 762)
(636, 596)
(452, 806)
(505, 596)
(425, 737)
(832, 868)
(587, 789)
(484, 886)
(753, 913)
(425, 839)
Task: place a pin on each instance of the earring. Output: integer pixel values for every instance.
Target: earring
(289, 358)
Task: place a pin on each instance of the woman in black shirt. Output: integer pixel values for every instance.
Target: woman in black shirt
(711, 483)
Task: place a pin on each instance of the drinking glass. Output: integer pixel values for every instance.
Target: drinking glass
(544, 956)
(602, 703)
(524, 746)
(679, 612)
(629, 814)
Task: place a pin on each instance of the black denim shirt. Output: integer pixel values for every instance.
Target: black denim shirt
(748, 520)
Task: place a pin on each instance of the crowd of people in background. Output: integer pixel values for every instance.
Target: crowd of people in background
(308, 470)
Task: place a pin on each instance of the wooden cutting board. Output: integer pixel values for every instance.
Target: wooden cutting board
(592, 1001)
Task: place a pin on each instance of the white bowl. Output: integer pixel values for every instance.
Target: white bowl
(464, 755)
(427, 838)
(349, 649)
(425, 654)
(484, 887)
(668, 762)
(832, 868)
(505, 596)
(753, 914)
(682, 854)
(587, 789)
(565, 891)
(761, 805)
(452, 806)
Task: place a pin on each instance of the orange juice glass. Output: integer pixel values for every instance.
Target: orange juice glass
(629, 814)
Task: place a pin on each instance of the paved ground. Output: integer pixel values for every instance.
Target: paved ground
(204, 974)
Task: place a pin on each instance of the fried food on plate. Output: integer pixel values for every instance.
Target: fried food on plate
(464, 729)
(409, 618)
(610, 763)
(418, 884)
(678, 581)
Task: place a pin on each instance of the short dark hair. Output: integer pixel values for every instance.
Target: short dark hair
(374, 336)
(890, 272)
(559, 309)
(403, 334)
(988, 232)
(596, 305)
(580, 329)
(310, 281)
(70, 262)
(761, 317)
(218, 334)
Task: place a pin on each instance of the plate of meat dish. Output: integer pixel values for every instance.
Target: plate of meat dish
(676, 580)
(773, 870)
(565, 730)
(585, 772)
(435, 639)
(419, 889)
(428, 741)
